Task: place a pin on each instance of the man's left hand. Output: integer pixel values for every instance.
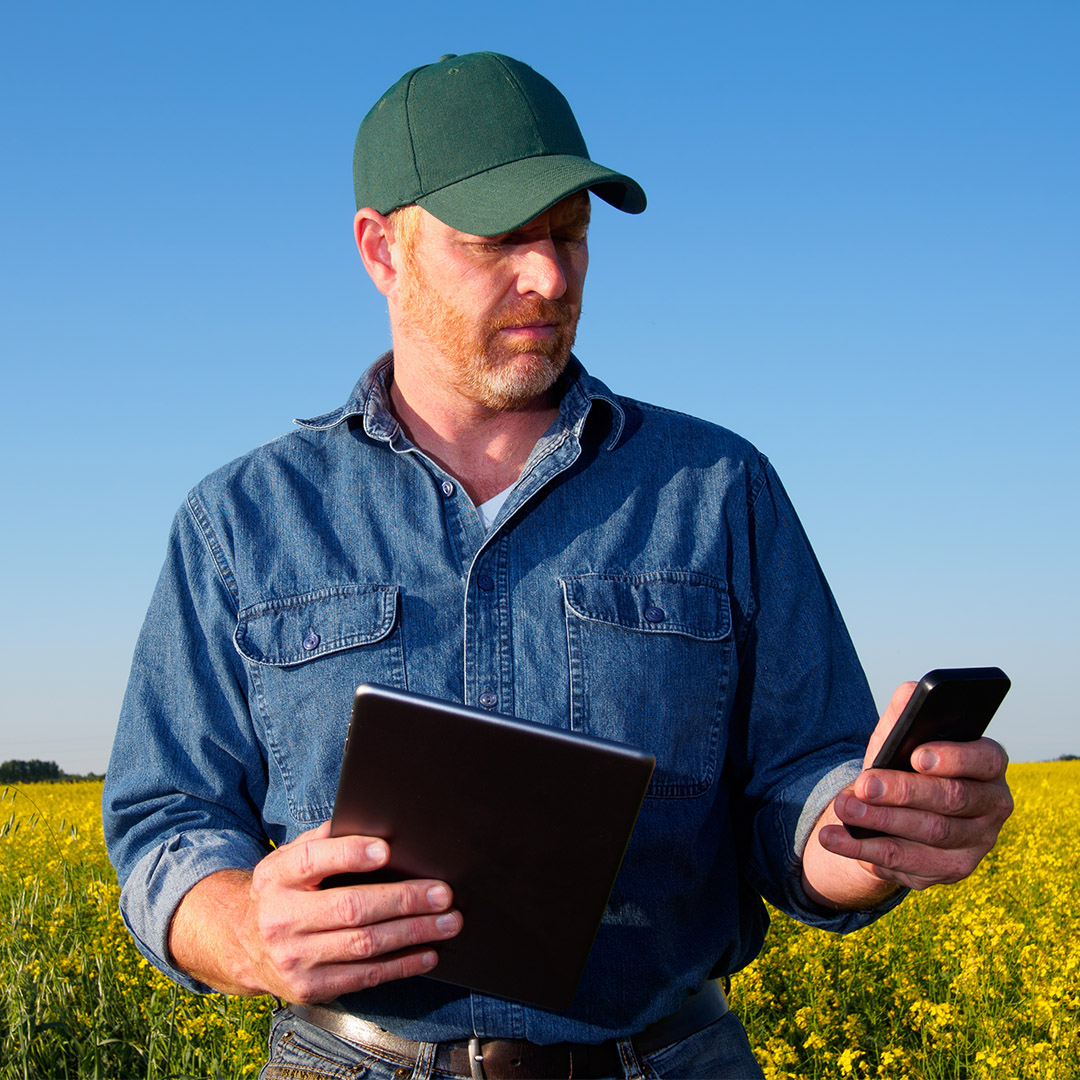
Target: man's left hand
(939, 821)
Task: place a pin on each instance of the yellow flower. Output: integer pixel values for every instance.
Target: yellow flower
(847, 1060)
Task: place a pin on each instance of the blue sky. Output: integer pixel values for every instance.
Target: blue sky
(861, 252)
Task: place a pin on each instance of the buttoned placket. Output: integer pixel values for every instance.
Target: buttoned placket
(488, 652)
(375, 576)
(487, 661)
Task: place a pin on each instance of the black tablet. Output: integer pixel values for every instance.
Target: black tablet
(527, 824)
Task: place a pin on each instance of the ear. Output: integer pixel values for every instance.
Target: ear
(374, 238)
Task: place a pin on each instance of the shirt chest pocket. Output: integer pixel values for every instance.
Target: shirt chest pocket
(305, 656)
(650, 665)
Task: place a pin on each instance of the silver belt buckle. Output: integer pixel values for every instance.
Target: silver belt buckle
(476, 1060)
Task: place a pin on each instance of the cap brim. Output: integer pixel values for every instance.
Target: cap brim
(505, 198)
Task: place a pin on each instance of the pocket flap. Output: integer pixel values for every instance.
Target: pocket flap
(293, 629)
(671, 602)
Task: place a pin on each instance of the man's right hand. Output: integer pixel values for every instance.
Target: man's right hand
(273, 930)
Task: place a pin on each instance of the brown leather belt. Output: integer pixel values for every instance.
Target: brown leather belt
(517, 1059)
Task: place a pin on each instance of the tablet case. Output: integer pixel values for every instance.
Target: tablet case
(528, 825)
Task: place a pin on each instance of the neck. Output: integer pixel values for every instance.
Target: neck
(484, 449)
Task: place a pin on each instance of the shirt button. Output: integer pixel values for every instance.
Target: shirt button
(488, 699)
(311, 641)
(447, 488)
(655, 614)
(485, 582)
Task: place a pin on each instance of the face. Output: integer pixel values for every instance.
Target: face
(498, 314)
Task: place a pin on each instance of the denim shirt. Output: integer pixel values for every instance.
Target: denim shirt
(647, 581)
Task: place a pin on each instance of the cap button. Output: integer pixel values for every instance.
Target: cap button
(448, 56)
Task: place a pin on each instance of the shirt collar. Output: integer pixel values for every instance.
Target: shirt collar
(371, 400)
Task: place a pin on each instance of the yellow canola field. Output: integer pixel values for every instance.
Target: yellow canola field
(76, 998)
(975, 981)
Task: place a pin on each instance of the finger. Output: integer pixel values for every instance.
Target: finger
(352, 906)
(947, 795)
(921, 826)
(314, 856)
(888, 720)
(906, 862)
(983, 759)
(328, 983)
(376, 940)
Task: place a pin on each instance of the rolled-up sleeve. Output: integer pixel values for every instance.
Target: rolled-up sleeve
(804, 710)
(187, 776)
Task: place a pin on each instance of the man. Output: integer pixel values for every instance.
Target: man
(484, 522)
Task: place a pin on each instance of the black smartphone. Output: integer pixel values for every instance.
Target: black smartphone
(948, 705)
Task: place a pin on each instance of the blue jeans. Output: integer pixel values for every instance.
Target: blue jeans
(302, 1051)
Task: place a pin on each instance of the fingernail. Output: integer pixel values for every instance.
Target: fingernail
(376, 851)
(429, 959)
(438, 896)
(446, 924)
(928, 760)
(854, 808)
(874, 788)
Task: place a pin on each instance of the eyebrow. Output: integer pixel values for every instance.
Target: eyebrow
(580, 219)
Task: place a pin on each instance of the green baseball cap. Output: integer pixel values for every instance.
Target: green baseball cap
(483, 143)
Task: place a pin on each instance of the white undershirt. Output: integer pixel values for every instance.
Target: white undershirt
(490, 510)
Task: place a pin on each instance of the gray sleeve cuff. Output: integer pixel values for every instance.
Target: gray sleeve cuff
(161, 879)
(823, 793)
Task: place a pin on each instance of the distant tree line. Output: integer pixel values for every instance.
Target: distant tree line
(33, 772)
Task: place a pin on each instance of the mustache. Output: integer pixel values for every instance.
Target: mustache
(530, 312)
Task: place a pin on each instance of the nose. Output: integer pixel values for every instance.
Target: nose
(540, 270)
